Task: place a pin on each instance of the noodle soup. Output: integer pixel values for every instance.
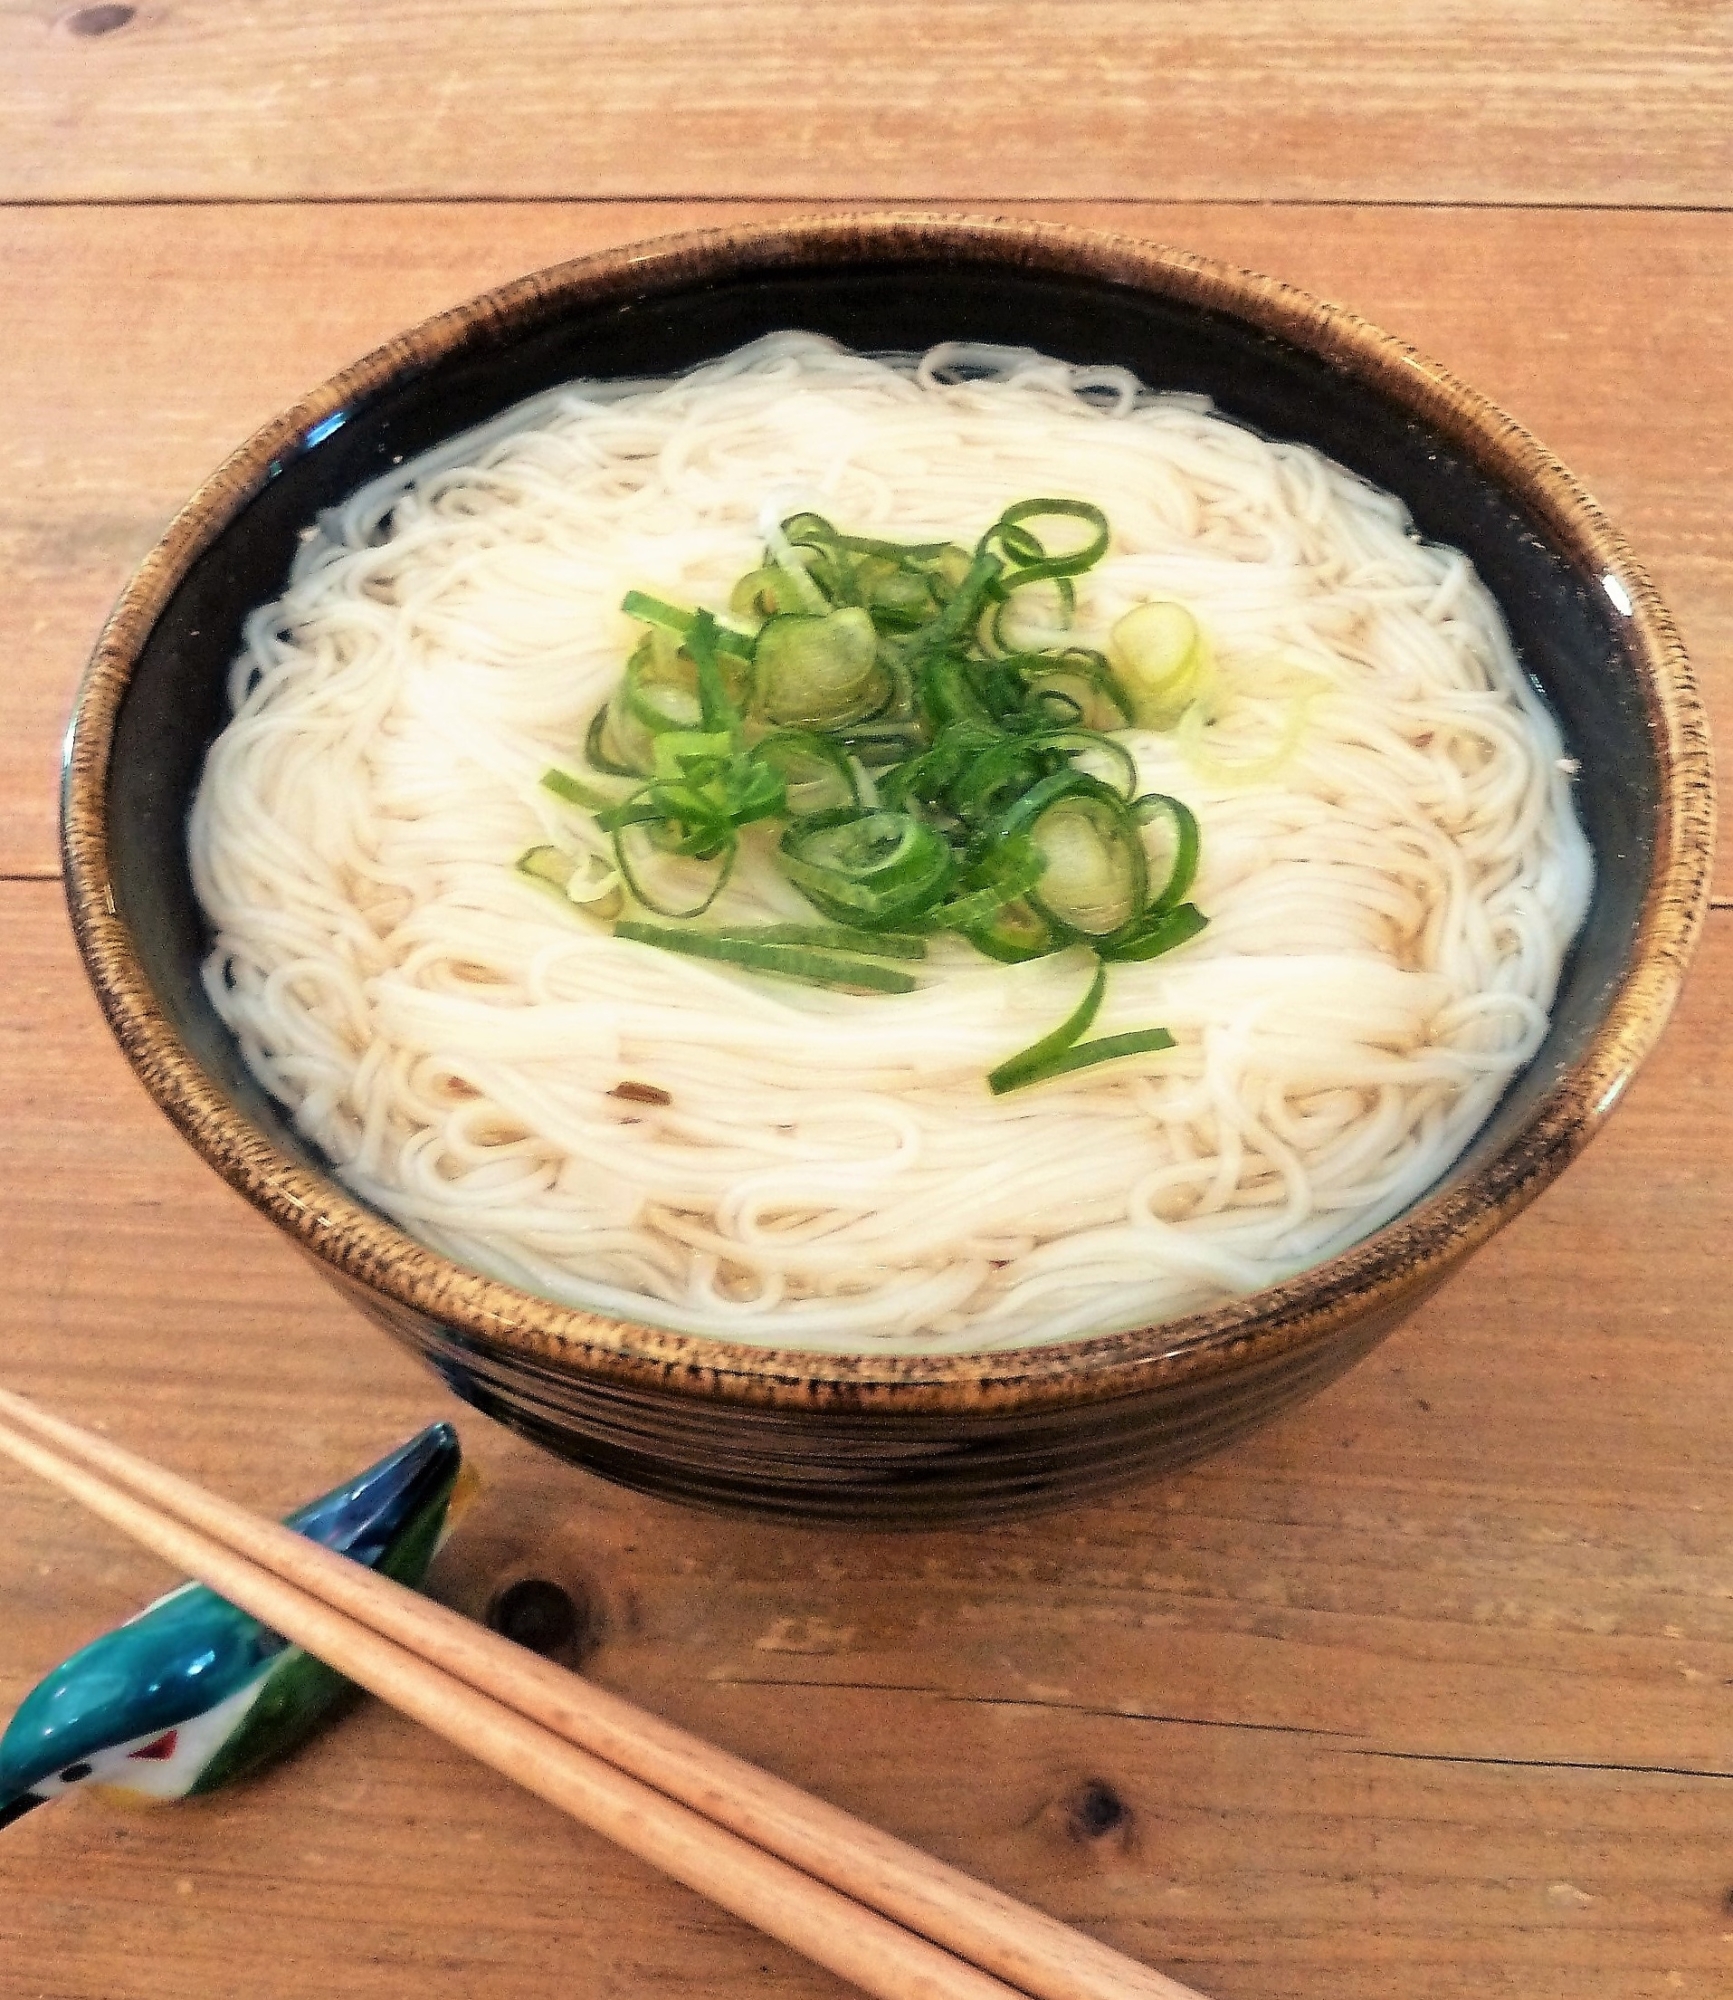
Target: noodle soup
(1388, 861)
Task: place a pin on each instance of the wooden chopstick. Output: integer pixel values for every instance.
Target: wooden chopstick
(798, 1869)
(873, 1953)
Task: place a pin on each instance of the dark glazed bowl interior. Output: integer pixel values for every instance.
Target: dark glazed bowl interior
(878, 1438)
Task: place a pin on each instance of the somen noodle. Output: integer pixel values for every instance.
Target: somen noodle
(1390, 865)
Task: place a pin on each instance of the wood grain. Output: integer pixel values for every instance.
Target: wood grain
(1609, 101)
(1422, 1690)
(1607, 333)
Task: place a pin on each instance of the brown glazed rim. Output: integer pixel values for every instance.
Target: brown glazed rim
(1388, 1270)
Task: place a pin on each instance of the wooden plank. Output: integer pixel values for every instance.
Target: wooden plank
(1608, 334)
(1610, 101)
(1420, 1691)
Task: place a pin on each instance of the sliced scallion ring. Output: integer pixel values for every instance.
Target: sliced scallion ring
(657, 692)
(572, 879)
(1182, 867)
(1014, 933)
(762, 593)
(1081, 676)
(817, 773)
(1154, 934)
(900, 599)
(1096, 875)
(1162, 662)
(598, 750)
(873, 869)
(995, 779)
(551, 866)
(783, 555)
(819, 672)
(721, 864)
(1026, 566)
(1091, 742)
(1299, 689)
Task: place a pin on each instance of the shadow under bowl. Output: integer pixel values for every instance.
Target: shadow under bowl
(874, 1439)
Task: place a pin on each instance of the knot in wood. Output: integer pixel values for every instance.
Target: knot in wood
(103, 20)
(535, 1613)
(1095, 1810)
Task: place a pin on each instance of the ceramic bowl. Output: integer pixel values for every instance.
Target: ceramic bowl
(877, 1439)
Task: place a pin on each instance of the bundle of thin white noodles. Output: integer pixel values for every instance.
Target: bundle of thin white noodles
(1391, 868)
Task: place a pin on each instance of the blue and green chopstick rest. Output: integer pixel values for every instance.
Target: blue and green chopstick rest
(193, 1692)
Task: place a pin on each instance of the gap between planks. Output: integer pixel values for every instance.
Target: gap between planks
(1339, 1741)
(902, 203)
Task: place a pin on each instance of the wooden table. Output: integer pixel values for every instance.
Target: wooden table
(1423, 1691)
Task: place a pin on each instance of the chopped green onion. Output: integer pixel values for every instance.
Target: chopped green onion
(638, 810)
(963, 607)
(576, 793)
(1062, 1052)
(817, 774)
(904, 552)
(551, 865)
(832, 937)
(782, 554)
(655, 611)
(819, 672)
(567, 876)
(1085, 1055)
(947, 695)
(1020, 870)
(596, 748)
(1162, 661)
(680, 751)
(1015, 932)
(1096, 875)
(656, 693)
(878, 867)
(934, 770)
(762, 593)
(880, 744)
(723, 853)
(787, 961)
(1154, 934)
(1031, 564)
(1080, 677)
(657, 706)
(702, 638)
(1303, 689)
(1031, 1064)
(900, 600)
(1182, 870)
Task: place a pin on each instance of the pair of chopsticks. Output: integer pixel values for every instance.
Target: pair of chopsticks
(893, 1921)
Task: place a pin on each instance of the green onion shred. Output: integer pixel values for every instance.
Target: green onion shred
(928, 771)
